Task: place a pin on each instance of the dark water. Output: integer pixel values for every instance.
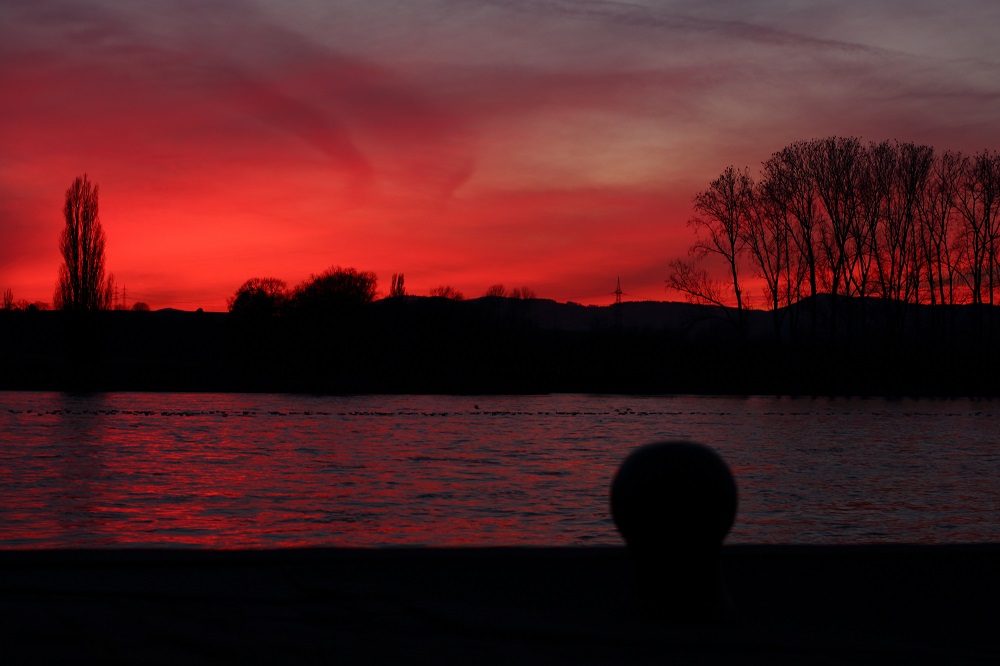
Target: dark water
(225, 470)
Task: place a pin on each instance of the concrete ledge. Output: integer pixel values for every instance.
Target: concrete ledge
(797, 604)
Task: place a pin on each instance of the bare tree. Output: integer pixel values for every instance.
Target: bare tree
(690, 279)
(835, 164)
(870, 269)
(790, 184)
(8, 299)
(82, 282)
(767, 236)
(446, 291)
(937, 209)
(979, 204)
(496, 291)
(720, 217)
(899, 260)
(894, 177)
(988, 175)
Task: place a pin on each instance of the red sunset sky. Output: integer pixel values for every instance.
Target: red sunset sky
(554, 144)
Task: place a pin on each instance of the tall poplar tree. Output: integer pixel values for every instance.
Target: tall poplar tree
(82, 283)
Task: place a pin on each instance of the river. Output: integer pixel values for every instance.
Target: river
(268, 471)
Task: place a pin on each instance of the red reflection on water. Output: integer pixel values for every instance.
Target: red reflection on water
(198, 478)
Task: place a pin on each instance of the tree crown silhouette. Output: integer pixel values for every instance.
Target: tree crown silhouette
(259, 296)
(335, 289)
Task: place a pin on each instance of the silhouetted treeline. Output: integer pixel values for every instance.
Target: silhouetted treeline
(890, 220)
(504, 345)
(334, 292)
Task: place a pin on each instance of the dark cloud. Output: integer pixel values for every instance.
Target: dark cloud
(665, 17)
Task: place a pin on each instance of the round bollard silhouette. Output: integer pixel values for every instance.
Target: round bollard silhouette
(674, 503)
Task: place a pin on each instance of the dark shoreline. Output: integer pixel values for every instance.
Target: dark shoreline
(797, 604)
(491, 346)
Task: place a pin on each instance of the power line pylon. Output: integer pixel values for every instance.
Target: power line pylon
(618, 303)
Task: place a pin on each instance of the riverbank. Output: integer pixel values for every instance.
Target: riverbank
(796, 604)
(491, 346)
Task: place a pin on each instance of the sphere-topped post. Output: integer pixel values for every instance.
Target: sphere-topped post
(674, 503)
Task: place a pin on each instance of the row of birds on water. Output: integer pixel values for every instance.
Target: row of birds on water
(476, 411)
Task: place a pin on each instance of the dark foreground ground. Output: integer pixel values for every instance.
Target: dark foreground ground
(798, 605)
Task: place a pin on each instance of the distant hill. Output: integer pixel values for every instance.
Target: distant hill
(645, 315)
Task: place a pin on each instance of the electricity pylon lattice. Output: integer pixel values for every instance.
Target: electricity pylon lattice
(618, 292)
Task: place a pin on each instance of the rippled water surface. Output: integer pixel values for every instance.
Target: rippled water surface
(232, 470)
